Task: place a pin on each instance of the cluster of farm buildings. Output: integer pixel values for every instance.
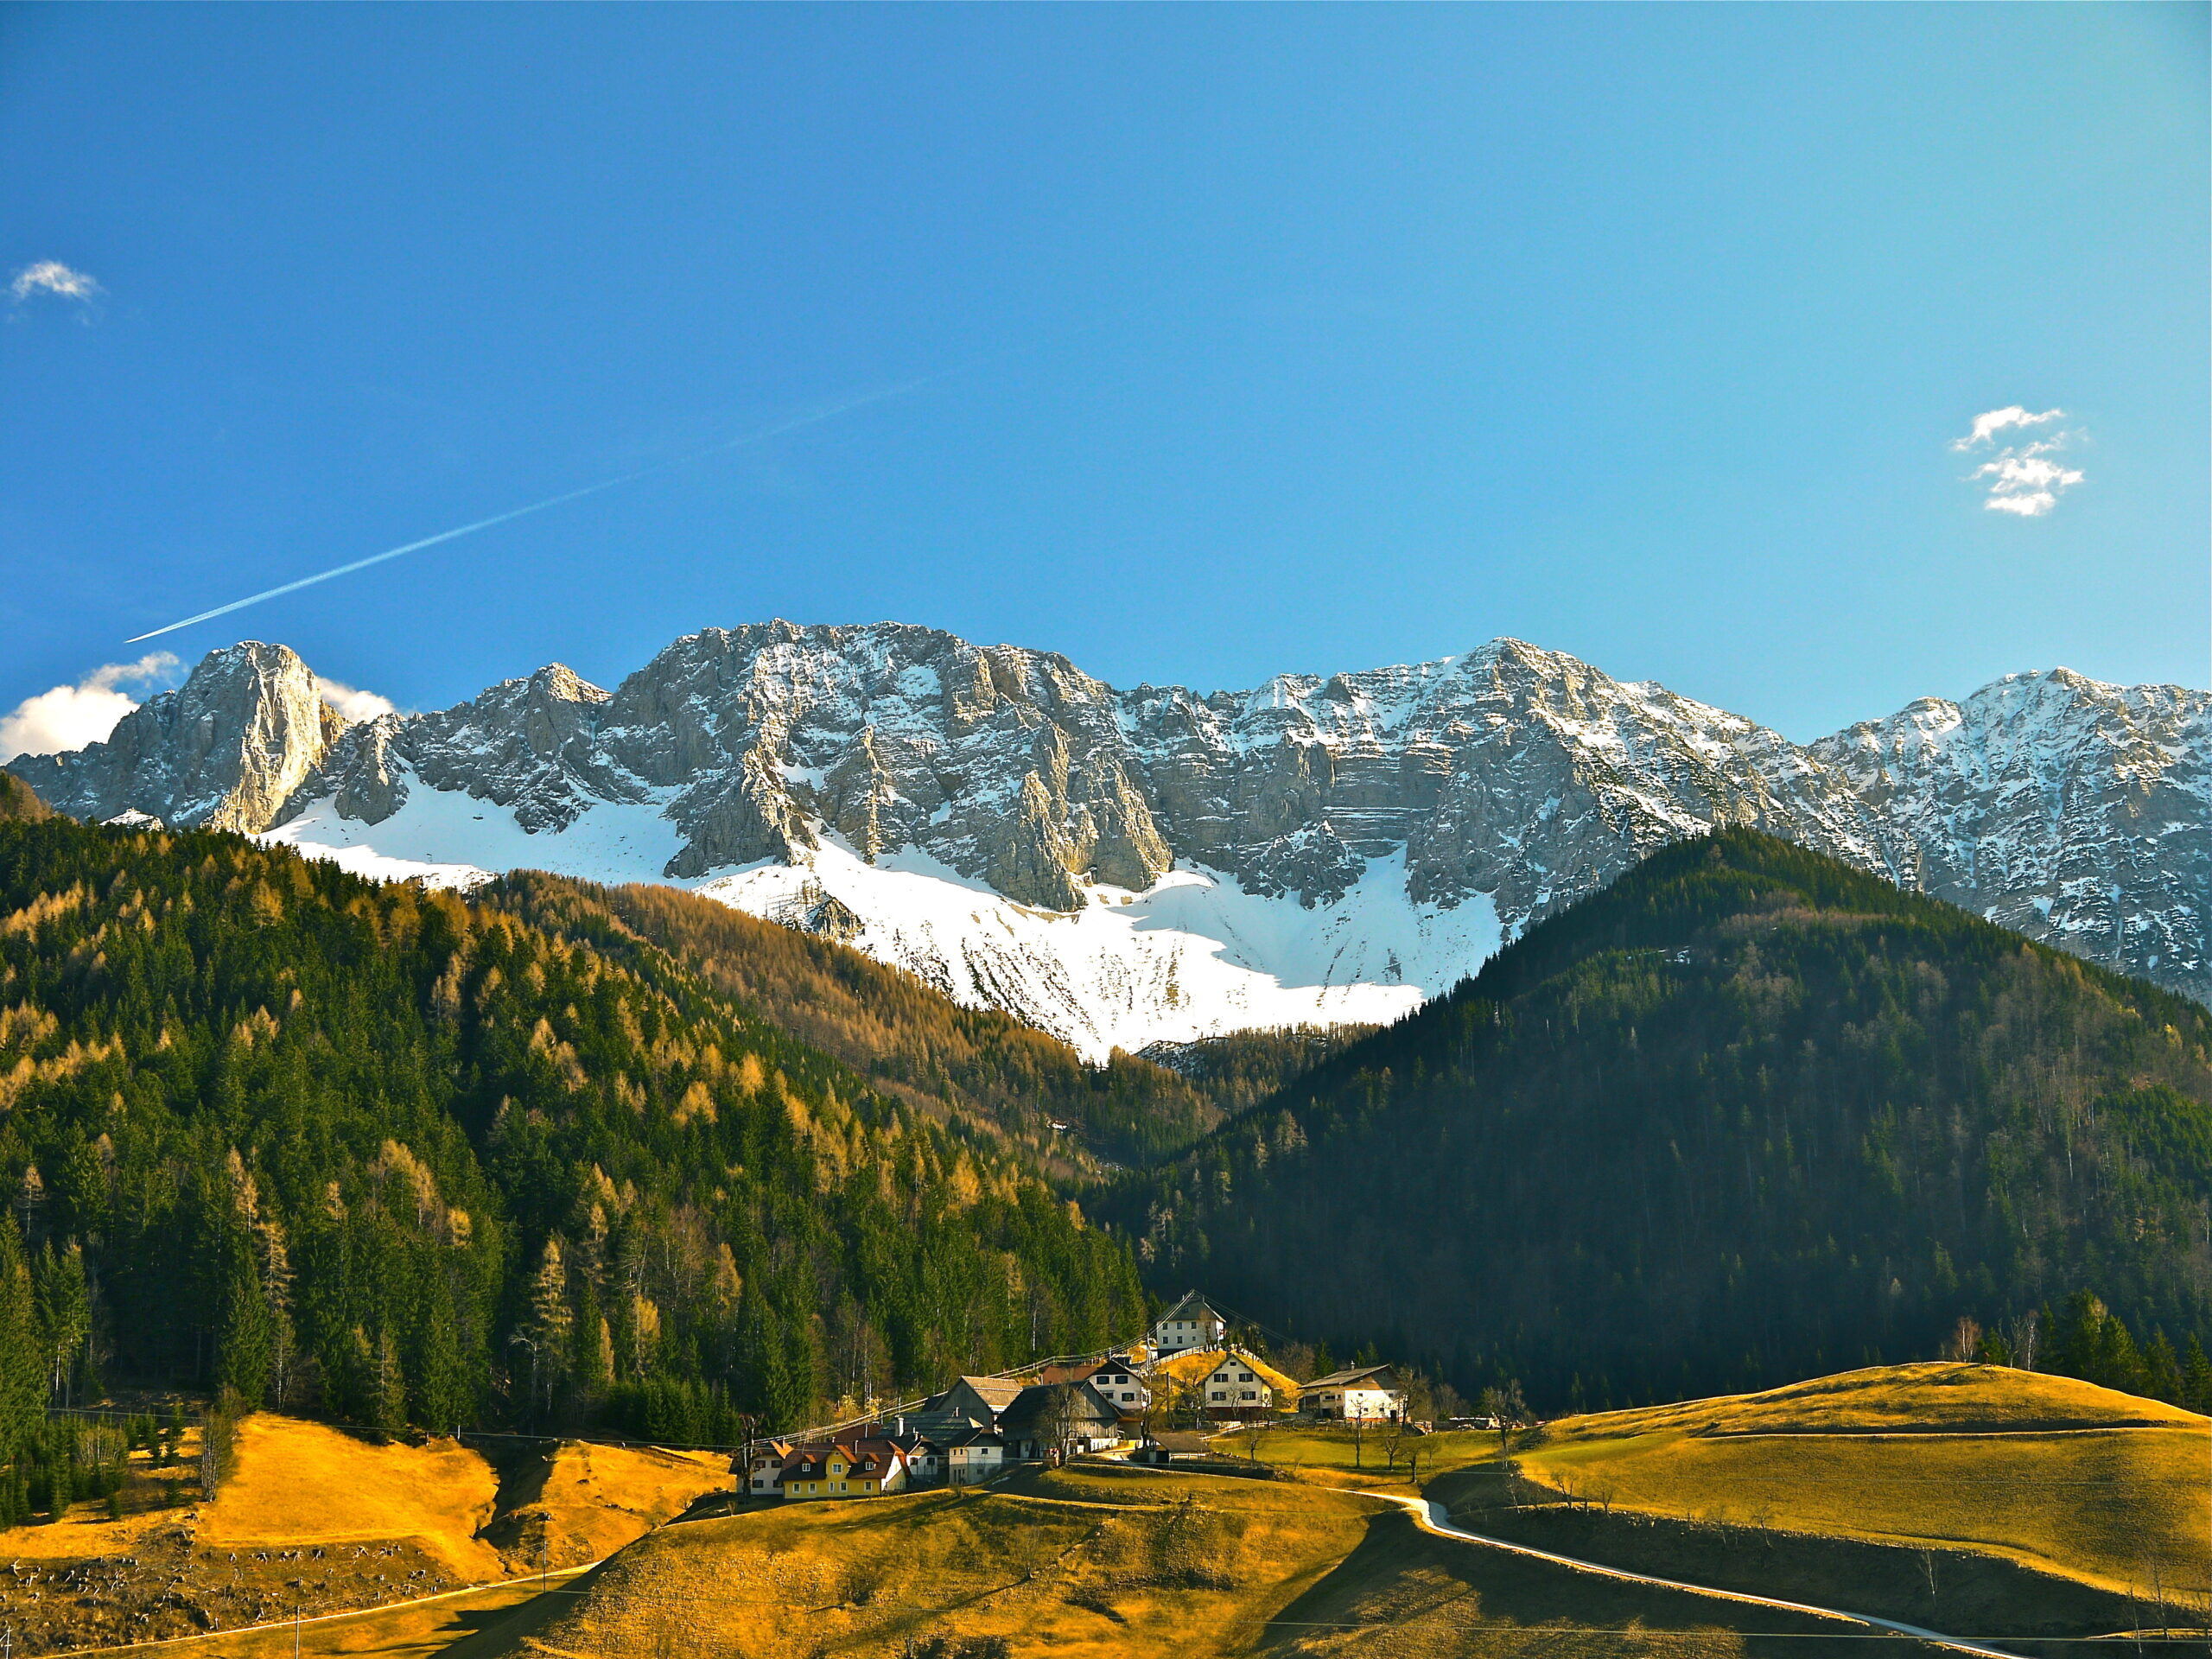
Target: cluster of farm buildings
(980, 1425)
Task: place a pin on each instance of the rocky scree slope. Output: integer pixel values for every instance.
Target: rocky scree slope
(1382, 830)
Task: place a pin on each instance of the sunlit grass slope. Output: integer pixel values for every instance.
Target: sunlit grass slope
(1331, 1455)
(1077, 1561)
(296, 1483)
(585, 1502)
(2056, 1474)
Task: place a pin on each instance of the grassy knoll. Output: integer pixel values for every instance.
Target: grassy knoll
(1104, 1559)
(1085, 1561)
(314, 1518)
(297, 1484)
(2059, 1476)
(583, 1502)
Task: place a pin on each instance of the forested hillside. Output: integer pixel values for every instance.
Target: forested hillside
(909, 1040)
(407, 1158)
(1746, 1116)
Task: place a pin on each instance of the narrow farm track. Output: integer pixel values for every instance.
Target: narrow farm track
(1432, 1516)
(370, 1612)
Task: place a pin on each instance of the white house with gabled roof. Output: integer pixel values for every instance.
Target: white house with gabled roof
(1189, 1324)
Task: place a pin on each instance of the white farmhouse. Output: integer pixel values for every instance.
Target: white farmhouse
(975, 1457)
(1365, 1391)
(1189, 1324)
(1237, 1388)
(1119, 1382)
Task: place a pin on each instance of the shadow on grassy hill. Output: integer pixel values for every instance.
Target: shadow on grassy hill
(1408, 1594)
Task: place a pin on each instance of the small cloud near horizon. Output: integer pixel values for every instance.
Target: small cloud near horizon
(52, 277)
(71, 716)
(2022, 478)
(354, 704)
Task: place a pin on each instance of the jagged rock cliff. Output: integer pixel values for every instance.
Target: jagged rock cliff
(1378, 829)
(226, 751)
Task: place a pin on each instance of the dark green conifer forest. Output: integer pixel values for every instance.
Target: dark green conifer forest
(1744, 1117)
(404, 1159)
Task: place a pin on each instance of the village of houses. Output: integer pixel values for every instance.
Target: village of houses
(981, 1426)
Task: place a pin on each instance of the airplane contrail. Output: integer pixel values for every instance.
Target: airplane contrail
(812, 418)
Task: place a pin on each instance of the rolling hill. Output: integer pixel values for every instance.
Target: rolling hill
(1747, 1116)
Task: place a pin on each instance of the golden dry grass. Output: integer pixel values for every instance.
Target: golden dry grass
(1196, 1366)
(2056, 1474)
(296, 1483)
(585, 1501)
(155, 1497)
(416, 1630)
(1085, 1560)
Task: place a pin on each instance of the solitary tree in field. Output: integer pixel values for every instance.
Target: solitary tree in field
(1504, 1407)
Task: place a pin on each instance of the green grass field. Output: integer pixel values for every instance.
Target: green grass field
(1328, 1454)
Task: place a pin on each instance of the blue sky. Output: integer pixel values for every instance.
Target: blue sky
(1251, 338)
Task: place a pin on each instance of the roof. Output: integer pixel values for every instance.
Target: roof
(1192, 1306)
(1201, 1364)
(993, 1391)
(977, 1437)
(870, 1455)
(1347, 1379)
(1035, 1406)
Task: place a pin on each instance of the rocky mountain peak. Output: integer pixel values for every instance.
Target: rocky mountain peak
(224, 751)
(1484, 791)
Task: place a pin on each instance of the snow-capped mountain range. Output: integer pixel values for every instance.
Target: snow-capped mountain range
(1126, 866)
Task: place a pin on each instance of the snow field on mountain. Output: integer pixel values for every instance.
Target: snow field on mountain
(1196, 956)
(452, 840)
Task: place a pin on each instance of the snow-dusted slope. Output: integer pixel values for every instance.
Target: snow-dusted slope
(1124, 867)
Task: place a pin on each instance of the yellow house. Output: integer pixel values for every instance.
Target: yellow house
(861, 1469)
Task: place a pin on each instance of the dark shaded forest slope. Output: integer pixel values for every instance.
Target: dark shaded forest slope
(1746, 1116)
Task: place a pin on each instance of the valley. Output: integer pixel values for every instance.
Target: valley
(1806, 1519)
(332, 1166)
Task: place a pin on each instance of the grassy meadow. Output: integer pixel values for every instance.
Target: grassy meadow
(2058, 1475)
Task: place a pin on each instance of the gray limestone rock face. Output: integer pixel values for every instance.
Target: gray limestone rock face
(2078, 813)
(225, 751)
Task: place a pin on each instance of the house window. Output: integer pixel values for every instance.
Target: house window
(1248, 1394)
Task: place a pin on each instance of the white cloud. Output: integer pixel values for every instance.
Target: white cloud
(2022, 480)
(52, 277)
(1987, 426)
(353, 705)
(70, 716)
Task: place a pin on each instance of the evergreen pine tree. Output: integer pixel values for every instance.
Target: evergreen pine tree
(65, 1314)
(244, 1345)
(2195, 1377)
(22, 1389)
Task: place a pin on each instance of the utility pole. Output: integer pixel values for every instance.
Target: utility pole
(299, 1599)
(531, 1344)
